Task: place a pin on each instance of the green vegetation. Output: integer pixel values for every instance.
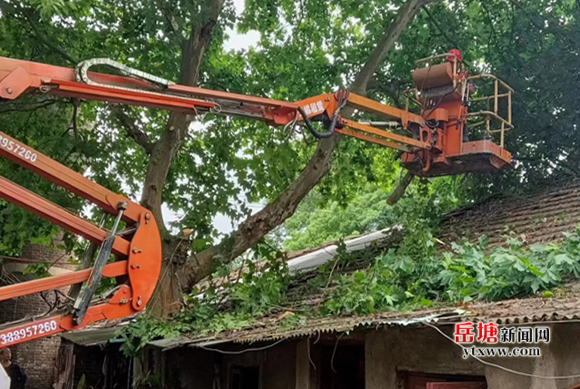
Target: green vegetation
(318, 221)
(402, 278)
(468, 272)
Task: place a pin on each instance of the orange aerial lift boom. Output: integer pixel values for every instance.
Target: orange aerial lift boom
(432, 142)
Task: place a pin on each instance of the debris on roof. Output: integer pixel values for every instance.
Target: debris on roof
(539, 218)
(309, 259)
(515, 311)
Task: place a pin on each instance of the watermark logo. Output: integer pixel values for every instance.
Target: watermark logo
(491, 333)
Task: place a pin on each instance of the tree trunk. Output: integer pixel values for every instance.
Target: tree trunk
(274, 214)
(166, 148)
(162, 155)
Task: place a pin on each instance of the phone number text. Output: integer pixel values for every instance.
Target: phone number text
(17, 149)
(28, 332)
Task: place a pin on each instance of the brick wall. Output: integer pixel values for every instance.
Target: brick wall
(37, 357)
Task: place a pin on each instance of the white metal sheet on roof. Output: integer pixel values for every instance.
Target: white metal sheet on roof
(323, 255)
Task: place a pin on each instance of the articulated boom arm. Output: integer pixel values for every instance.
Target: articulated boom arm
(138, 252)
(141, 89)
(433, 143)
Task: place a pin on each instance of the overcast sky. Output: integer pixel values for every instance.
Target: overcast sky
(241, 41)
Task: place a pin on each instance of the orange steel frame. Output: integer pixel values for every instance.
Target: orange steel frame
(139, 257)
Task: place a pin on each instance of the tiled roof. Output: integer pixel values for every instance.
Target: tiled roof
(542, 217)
(515, 311)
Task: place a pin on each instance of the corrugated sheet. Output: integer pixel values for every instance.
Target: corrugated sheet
(516, 311)
(313, 258)
(98, 333)
(91, 337)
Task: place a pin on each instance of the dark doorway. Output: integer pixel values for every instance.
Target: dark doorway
(343, 367)
(247, 377)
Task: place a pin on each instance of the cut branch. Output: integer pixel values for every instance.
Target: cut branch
(274, 214)
(400, 189)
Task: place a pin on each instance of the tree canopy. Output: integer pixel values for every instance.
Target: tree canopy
(201, 166)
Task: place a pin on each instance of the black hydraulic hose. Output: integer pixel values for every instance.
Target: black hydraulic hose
(342, 96)
(313, 131)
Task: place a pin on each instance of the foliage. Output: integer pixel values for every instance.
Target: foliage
(318, 220)
(139, 333)
(255, 293)
(302, 51)
(229, 306)
(398, 279)
(40, 270)
(466, 273)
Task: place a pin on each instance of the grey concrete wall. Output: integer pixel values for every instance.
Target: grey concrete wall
(416, 350)
(426, 351)
(560, 358)
(387, 353)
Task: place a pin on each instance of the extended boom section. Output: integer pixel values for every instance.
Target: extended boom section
(435, 140)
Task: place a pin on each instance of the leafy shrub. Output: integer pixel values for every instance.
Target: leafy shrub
(466, 273)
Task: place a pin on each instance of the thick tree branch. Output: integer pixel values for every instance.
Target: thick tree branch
(404, 16)
(168, 16)
(49, 43)
(28, 108)
(166, 148)
(274, 214)
(391, 91)
(163, 153)
(132, 129)
(442, 31)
